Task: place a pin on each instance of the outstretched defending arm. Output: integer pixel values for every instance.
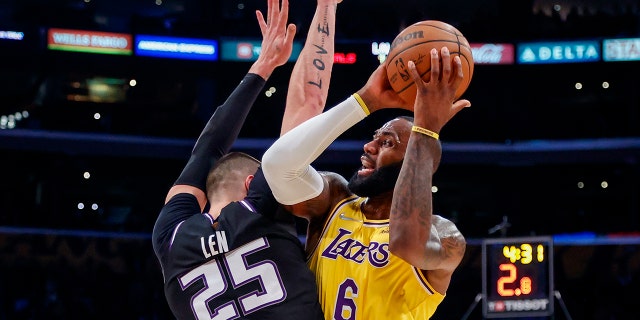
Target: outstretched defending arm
(223, 127)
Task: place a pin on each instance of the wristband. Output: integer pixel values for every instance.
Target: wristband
(361, 103)
(426, 132)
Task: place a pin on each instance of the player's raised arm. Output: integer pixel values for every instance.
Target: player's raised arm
(309, 82)
(415, 235)
(277, 38)
(223, 127)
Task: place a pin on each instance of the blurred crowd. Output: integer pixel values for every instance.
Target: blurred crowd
(78, 276)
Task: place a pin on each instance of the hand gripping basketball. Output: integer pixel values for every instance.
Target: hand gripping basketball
(414, 43)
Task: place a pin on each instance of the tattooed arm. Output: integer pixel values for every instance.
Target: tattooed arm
(427, 241)
(309, 82)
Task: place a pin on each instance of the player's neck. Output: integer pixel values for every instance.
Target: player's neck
(378, 207)
(216, 208)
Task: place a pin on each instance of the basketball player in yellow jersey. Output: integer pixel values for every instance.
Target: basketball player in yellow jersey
(381, 254)
(380, 285)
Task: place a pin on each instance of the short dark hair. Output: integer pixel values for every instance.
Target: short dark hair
(231, 168)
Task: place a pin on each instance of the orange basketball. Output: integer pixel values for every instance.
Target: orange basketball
(414, 43)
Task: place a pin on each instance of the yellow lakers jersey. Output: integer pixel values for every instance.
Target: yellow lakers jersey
(359, 279)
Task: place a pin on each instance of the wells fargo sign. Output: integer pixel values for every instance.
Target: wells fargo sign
(89, 41)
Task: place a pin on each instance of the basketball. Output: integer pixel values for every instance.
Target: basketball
(415, 43)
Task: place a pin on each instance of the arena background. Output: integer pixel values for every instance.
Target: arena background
(87, 157)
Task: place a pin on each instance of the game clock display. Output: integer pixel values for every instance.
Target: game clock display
(517, 277)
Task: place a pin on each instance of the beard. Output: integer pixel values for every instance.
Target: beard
(380, 181)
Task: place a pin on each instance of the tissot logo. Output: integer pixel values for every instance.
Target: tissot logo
(519, 305)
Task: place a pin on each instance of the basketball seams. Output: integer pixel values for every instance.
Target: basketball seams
(415, 42)
(457, 41)
(459, 37)
(448, 30)
(411, 83)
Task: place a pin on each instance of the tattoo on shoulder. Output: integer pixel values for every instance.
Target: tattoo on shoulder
(455, 245)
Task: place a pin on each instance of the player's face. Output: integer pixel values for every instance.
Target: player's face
(382, 159)
(378, 182)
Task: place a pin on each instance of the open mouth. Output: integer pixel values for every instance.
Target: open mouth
(367, 166)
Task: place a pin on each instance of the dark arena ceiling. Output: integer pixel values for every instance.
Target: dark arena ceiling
(541, 127)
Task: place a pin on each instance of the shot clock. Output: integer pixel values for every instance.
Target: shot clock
(517, 277)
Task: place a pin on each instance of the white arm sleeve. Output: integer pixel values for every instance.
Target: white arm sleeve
(287, 163)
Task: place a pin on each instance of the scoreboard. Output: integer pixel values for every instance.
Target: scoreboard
(517, 277)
